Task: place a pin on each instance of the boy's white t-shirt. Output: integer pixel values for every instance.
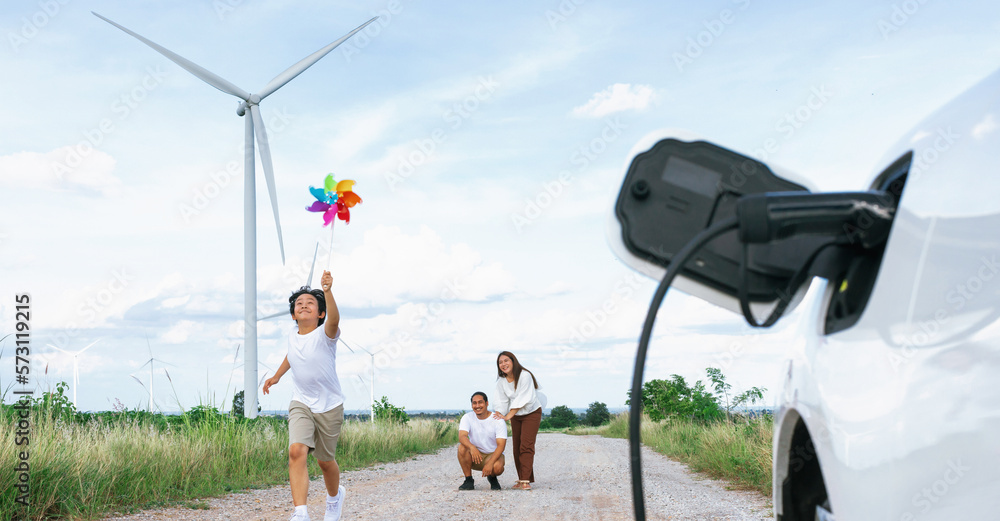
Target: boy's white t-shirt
(483, 433)
(312, 358)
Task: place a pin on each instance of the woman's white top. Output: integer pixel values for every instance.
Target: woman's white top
(524, 398)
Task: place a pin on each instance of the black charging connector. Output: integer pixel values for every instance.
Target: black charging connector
(862, 218)
(858, 219)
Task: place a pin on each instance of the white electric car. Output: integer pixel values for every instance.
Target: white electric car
(891, 402)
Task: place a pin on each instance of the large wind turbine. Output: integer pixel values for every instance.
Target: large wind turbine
(254, 126)
(76, 368)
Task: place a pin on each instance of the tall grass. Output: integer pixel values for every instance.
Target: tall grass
(84, 469)
(738, 451)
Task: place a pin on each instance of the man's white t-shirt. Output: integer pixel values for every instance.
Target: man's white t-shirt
(313, 361)
(483, 433)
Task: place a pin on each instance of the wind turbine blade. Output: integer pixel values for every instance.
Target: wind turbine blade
(88, 347)
(355, 345)
(199, 71)
(293, 71)
(62, 350)
(313, 267)
(265, 159)
(278, 314)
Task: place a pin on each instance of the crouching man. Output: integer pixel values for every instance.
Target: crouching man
(481, 441)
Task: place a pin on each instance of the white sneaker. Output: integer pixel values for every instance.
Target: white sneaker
(334, 507)
(300, 517)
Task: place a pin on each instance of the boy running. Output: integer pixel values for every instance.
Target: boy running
(316, 412)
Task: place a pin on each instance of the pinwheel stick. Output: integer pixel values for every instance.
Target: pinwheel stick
(330, 256)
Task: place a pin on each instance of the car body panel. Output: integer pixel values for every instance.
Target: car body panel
(904, 407)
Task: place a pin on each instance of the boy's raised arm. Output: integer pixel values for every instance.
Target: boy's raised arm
(332, 322)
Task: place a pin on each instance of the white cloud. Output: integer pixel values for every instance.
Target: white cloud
(64, 168)
(391, 267)
(361, 129)
(987, 125)
(616, 98)
(180, 332)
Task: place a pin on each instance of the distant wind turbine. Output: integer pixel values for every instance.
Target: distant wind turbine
(373, 373)
(254, 125)
(76, 368)
(150, 364)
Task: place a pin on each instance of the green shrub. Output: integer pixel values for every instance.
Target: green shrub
(388, 413)
(597, 414)
(662, 399)
(562, 417)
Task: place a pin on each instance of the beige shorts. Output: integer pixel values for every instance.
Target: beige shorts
(479, 466)
(319, 432)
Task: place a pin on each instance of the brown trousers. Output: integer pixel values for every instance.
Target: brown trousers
(525, 429)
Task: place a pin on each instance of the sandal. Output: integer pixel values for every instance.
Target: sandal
(524, 485)
(518, 484)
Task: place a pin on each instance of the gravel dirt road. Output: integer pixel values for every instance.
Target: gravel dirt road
(578, 478)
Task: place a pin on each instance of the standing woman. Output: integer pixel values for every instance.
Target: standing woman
(519, 403)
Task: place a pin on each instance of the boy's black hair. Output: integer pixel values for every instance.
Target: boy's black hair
(485, 399)
(320, 299)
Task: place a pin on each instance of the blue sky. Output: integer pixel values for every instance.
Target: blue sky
(488, 142)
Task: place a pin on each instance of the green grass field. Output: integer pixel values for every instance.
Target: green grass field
(736, 450)
(84, 466)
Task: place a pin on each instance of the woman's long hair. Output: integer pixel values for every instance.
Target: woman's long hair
(516, 368)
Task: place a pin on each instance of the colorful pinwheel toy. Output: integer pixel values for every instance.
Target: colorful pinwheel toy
(335, 200)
